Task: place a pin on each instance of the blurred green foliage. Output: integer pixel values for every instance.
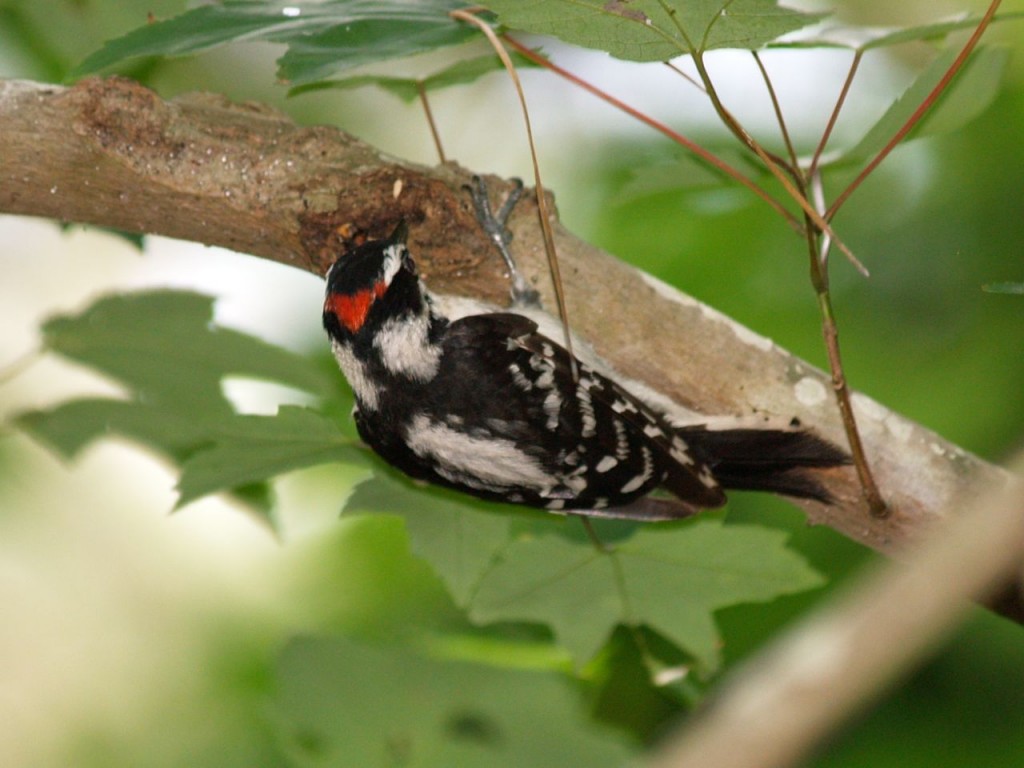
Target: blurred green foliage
(941, 219)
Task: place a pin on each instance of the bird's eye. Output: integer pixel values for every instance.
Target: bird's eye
(408, 263)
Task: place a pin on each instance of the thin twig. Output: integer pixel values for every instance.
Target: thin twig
(678, 138)
(925, 105)
(818, 248)
(425, 101)
(813, 230)
(793, 161)
(600, 546)
(777, 166)
(854, 65)
(542, 204)
(781, 171)
(686, 76)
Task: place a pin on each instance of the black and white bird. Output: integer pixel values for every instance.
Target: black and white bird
(489, 405)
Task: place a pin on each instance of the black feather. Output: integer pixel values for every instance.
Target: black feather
(752, 459)
(488, 405)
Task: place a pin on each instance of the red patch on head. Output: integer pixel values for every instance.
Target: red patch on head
(351, 309)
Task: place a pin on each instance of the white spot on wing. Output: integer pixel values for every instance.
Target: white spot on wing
(623, 406)
(575, 483)
(707, 478)
(680, 451)
(637, 482)
(546, 380)
(633, 484)
(621, 439)
(520, 378)
(586, 406)
(552, 407)
(653, 430)
(606, 464)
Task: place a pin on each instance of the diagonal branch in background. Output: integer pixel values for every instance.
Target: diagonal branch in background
(779, 706)
(112, 153)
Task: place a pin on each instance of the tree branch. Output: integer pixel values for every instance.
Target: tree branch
(112, 153)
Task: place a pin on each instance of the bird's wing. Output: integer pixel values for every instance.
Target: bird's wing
(608, 447)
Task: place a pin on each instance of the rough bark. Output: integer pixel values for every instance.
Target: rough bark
(112, 153)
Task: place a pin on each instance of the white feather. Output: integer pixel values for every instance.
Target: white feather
(355, 372)
(405, 348)
(481, 462)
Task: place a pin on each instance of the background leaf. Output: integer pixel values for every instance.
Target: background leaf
(69, 427)
(322, 37)
(869, 38)
(408, 88)
(452, 713)
(164, 346)
(670, 579)
(457, 536)
(974, 88)
(165, 349)
(643, 31)
(246, 449)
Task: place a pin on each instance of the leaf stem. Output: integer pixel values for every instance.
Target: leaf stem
(793, 160)
(542, 201)
(834, 117)
(818, 247)
(435, 135)
(686, 76)
(629, 620)
(599, 545)
(678, 138)
(781, 170)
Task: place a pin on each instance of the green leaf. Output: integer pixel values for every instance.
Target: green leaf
(970, 93)
(868, 38)
(668, 172)
(670, 579)
(164, 346)
(456, 535)
(936, 31)
(407, 30)
(246, 449)
(322, 37)
(71, 426)
(341, 703)
(643, 30)
(408, 89)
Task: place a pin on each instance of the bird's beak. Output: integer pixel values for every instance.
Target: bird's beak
(400, 233)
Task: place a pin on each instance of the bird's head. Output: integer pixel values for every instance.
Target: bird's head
(371, 284)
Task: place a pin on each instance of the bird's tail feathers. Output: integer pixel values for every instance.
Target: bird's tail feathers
(775, 460)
